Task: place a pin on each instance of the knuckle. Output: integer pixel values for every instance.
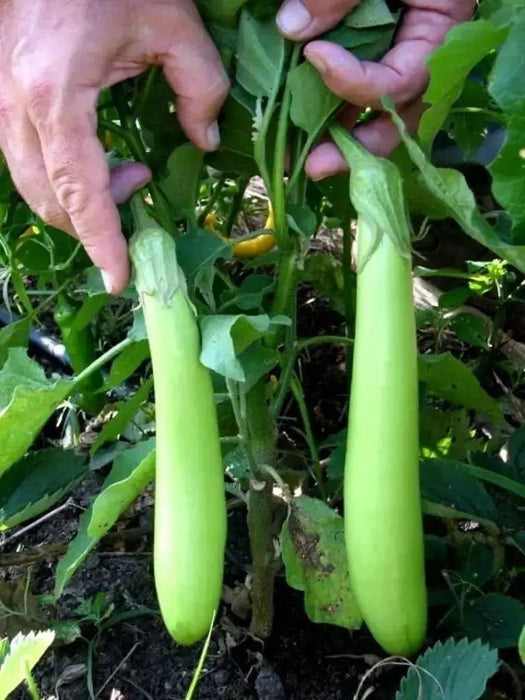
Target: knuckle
(50, 213)
(70, 190)
(40, 98)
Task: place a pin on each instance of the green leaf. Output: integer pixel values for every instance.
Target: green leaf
(301, 219)
(199, 249)
(471, 329)
(451, 380)
(225, 337)
(27, 399)
(450, 188)
(36, 482)
(312, 102)
(25, 651)
(181, 185)
(222, 12)
(496, 619)
(450, 671)
(314, 555)
(452, 485)
(14, 335)
(126, 412)
(132, 470)
(324, 272)
(370, 13)
(367, 44)
(454, 298)
(508, 184)
(126, 363)
(87, 312)
(235, 153)
(261, 55)
(257, 361)
(450, 65)
(475, 563)
(252, 291)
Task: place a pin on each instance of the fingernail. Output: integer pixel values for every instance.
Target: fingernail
(316, 61)
(108, 284)
(293, 18)
(213, 136)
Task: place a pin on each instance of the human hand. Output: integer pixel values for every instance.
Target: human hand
(401, 73)
(55, 57)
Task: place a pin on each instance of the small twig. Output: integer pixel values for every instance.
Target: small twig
(515, 679)
(34, 524)
(53, 550)
(121, 664)
(137, 686)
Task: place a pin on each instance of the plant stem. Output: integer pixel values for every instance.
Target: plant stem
(300, 345)
(263, 520)
(32, 686)
(131, 135)
(103, 359)
(297, 391)
(242, 184)
(278, 185)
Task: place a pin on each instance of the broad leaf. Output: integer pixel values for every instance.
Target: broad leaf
(199, 249)
(507, 86)
(451, 380)
(14, 335)
(449, 66)
(126, 363)
(181, 186)
(450, 188)
(494, 618)
(314, 555)
(370, 13)
(225, 337)
(27, 400)
(132, 470)
(36, 482)
(312, 102)
(261, 55)
(450, 671)
(25, 651)
(452, 485)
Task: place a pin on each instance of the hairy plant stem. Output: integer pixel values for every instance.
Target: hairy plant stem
(263, 518)
(131, 135)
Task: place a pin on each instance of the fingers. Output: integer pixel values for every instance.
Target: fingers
(402, 74)
(304, 19)
(194, 70)
(127, 178)
(21, 147)
(78, 174)
(380, 136)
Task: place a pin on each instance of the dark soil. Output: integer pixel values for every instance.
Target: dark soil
(137, 657)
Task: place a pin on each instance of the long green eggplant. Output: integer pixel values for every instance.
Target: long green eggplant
(383, 520)
(190, 509)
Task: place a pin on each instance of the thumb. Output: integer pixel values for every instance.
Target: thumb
(127, 178)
